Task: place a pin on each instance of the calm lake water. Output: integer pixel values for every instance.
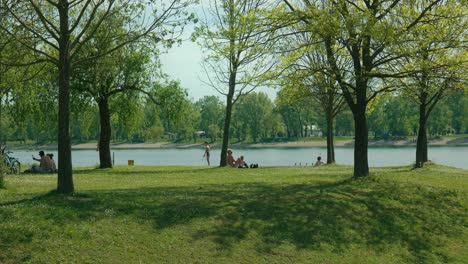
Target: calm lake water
(378, 156)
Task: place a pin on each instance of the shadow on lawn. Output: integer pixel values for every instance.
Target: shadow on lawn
(370, 214)
(136, 170)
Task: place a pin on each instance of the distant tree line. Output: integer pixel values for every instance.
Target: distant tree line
(256, 118)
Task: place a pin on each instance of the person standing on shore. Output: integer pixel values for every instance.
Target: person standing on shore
(230, 159)
(207, 152)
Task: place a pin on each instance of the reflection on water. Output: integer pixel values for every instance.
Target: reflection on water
(383, 156)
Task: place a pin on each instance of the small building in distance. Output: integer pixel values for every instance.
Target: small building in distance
(200, 134)
(312, 131)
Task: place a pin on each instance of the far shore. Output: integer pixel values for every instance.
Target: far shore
(462, 141)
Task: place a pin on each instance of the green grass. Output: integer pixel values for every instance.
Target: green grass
(214, 215)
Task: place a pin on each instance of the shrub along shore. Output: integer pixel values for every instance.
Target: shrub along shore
(221, 215)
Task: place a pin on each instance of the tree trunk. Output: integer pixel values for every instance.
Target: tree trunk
(361, 164)
(227, 124)
(330, 143)
(421, 145)
(232, 84)
(1, 128)
(105, 160)
(65, 175)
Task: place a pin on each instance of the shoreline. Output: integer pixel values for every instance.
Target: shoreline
(295, 144)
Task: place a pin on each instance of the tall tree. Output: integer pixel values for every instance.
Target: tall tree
(12, 78)
(436, 62)
(126, 70)
(360, 39)
(306, 74)
(60, 28)
(237, 50)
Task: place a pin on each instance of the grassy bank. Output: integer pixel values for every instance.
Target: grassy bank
(213, 215)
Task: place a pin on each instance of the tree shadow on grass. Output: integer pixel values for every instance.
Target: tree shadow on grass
(370, 214)
(136, 170)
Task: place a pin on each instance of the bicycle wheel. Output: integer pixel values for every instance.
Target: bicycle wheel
(15, 167)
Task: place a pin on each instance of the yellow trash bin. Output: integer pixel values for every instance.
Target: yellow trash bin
(131, 162)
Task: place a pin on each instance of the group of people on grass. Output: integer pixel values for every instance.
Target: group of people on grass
(235, 163)
(46, 164)
(240, 162)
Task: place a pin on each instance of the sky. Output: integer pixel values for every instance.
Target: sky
(183, 63)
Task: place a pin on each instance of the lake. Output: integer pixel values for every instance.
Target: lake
(378, 156)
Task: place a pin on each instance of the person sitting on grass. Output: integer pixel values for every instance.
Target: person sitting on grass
(240, 163)
(45, 164)
(319, 162)
(51, 156)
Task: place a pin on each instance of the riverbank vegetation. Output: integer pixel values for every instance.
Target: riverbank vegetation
(220, 215)
(297, 122)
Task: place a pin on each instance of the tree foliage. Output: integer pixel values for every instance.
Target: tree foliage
(236, 52)
(56, 31)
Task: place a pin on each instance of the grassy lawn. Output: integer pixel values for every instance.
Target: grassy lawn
(220, 215)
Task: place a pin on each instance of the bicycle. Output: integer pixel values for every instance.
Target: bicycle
(12, 163)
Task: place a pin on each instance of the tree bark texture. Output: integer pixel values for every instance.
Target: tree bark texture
(421, 144)
(330, 140)
(232, 85)
(105, 160)
(227, 125)
(65, 175)
(361, 165)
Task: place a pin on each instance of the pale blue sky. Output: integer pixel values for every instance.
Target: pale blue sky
(183, 63)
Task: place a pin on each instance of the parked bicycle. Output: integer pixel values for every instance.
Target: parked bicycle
(12, 164)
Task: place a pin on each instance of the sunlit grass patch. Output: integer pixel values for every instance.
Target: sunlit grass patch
(221, 215)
